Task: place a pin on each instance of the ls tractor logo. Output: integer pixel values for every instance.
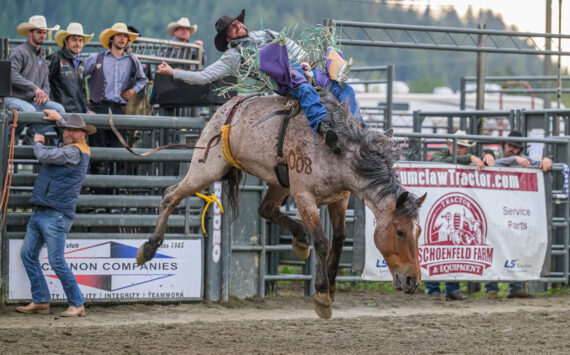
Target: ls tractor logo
(510, 264)
(381, 264)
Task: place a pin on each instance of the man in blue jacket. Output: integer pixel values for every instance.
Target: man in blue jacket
(54, 198)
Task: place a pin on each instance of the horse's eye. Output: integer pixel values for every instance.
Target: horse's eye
(400, 234)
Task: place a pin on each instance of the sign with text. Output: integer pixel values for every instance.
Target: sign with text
(476, 224)
(108, 270)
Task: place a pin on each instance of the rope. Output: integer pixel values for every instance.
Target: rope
(209, 199)
(9, 170)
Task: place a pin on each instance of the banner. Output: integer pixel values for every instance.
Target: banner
(108, 270)
(477, 225)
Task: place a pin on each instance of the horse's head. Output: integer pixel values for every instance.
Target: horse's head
(396, 237)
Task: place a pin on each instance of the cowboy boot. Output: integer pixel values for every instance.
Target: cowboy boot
(329, 135)
(40, 308)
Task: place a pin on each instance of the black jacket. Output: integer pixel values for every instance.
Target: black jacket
(67, 82)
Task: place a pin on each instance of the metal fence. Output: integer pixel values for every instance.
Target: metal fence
(124, 206)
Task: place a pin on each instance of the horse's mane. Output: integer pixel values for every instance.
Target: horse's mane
(374, 154)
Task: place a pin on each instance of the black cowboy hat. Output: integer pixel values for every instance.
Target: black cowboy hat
(75, 121)
(515, 134)
(222, 28)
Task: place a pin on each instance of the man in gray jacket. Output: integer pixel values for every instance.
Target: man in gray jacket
(232, 34)
(30, 71)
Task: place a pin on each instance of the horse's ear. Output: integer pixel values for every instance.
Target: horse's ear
(422, 199)
(402, 197)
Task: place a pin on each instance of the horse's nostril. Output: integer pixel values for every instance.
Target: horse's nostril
(409, 283)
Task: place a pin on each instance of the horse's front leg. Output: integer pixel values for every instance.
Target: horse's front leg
(309, 212)
(337, 213)
(270, 210)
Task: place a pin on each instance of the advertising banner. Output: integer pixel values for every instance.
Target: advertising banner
(476, 224)
(108, 270)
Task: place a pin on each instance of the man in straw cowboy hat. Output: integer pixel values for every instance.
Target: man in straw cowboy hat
(30, 84)
(452, 291)
(67, 70)
(180, 31)
(274, 61)
(512, 156)
(116, 76)
(54, 197)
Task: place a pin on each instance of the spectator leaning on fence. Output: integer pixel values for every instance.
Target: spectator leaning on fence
(512, 157)
(452, 291)
(180, 31)
(463, 157)
(67, 70)
(54, 197)
(30, 84)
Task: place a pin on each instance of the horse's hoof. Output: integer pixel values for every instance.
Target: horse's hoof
(302, 250)
(145, 253)
(323, 305)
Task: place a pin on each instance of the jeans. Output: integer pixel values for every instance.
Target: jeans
(49, 227)
(310, 102)
(24, 106)
(514, 287)
(432, 288)
(346, 95)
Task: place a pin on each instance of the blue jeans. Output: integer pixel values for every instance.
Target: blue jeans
(24, 106)
(514, 287)
(346, 94)
(49, 227)
(432, 288)
(310, 102)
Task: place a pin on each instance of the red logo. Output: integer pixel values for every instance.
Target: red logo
(455, 237)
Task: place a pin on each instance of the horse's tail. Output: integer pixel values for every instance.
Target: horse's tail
(233, 178)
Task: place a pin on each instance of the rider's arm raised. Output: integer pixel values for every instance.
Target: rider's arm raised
(226, 65)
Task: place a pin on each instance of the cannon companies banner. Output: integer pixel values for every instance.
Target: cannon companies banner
(107, 270)
(476, 224)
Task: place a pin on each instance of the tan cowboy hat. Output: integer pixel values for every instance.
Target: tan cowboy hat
(73, 29)
(462, 142)
(75, 121)
(119, 27)
(182, 22)
(35, 22)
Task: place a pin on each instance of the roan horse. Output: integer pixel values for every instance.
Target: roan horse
(317, 177)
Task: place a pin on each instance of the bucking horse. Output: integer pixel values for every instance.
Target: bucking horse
(317, 176)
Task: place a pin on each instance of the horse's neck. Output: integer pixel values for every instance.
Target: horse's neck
(370, 197)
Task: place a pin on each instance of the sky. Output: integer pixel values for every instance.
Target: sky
(527, 15)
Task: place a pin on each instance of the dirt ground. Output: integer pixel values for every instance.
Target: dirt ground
(362, 322)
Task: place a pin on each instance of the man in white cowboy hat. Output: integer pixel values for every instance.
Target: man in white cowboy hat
(463, 157)
(116, 76)
(30, 84)
(181, 31)
(452, 291)
(54, 197)
(67, 70)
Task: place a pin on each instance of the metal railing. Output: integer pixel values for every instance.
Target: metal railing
(369, 34)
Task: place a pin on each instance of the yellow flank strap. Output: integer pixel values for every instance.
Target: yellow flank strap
(208, 199)
(226, 147)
